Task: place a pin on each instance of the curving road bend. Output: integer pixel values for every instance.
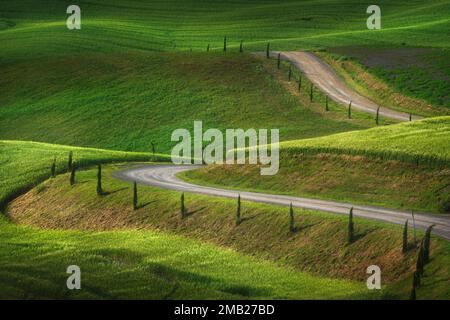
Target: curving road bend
(326, 79)
(165, 176)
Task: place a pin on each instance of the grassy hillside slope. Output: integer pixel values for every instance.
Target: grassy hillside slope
(126, 102)
(24, 164)
(182, 25)
(132, 264)
(317, 246)
(413, 80)
(145, 265)
(424, 141)
(402, 166)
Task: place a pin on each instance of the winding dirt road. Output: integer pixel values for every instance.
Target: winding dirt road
(164, 176)
(325, 79)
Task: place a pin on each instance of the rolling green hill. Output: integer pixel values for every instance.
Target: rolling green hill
(184, 25)
(413, 80)
(102, 86)
(401, 166)
(146, 265)
(318, 246)
(24, 164)
(127, 101)
(136, 71)
(148, 262)
(424, 141)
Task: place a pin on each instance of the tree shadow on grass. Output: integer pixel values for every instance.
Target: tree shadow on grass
(190, 213)
(145, 204)
(107, 193)
(247, 218)
(304, 226)
(359, 235)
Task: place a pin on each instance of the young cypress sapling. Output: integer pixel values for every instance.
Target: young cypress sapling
(351, 230)
(426, 245)
(70, 161)
(405, 238)
(412, 294)
(238, 210)
(72, 174)
(419, 263)
(99, 179)
(182, 207)
(135, 196)
(291, 224)
(377, 118)
(53, 168)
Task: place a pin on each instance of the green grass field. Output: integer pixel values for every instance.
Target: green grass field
(401, 166)
(147, 96)
(415, 80)
(25, 164)
(174, 25)
(136, 71)
(146, 265)
(318, 246)
(34, 260)
(424, 141)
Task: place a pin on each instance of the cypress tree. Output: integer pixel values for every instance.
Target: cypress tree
(377, 118)
(426, 245)
(299, 82)
(410, 117)
(350, 110)
(182, 207)
(350, 227)
(72, 174)
(290, 73)
(416, 280)
(99, 179)
(414, 228)
(241, 47)
(412, 295)
(225, 43)
(135, 196)
(419, 264)
(405, 238)
(207, 48)
(279, 61)
(326, 103)
(53, 168)
(291, 224)
(153, 150)
(238, 211)
(69, 163)
(268, 50)
(311, 93)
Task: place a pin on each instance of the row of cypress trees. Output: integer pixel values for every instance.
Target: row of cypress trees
(424, 250)
(241, 46)
(350, 233)
(423, 258)
(238, 212)
(311, 91)
(70, 165)
(349, 113)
